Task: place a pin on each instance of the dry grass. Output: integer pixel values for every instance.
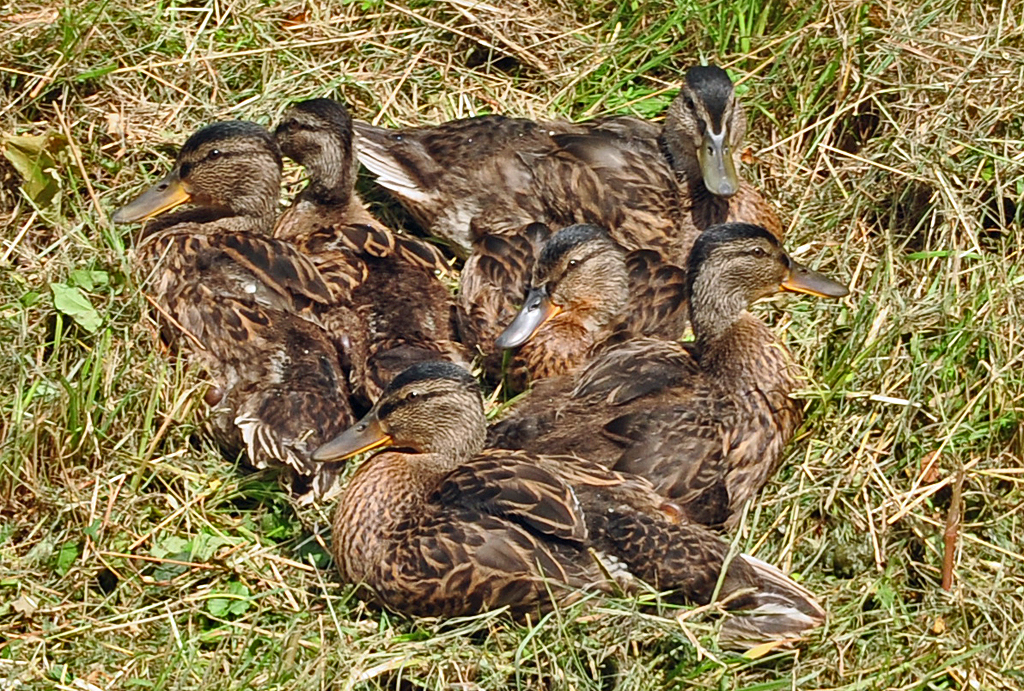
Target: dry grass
(891, 136)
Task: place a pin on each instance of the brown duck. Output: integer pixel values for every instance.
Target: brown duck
(241, 304)
(586, 292)
(438, 526)
(653, 188)
(707, 421)
(389, 306)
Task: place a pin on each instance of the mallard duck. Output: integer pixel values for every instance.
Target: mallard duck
(241, 304)
(653, 188)
(439, 526)
(585, 292)
(389, 304)
(706, 421)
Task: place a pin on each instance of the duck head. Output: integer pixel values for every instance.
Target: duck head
(705, 125)
(582, 273)
(431, 407)
(232, 167)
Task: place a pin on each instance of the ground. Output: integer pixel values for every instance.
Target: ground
(889, 135)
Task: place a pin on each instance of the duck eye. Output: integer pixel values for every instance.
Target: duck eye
(759, 252)
(214, 153)
(413, 395)
(573, 263)
(689, 103)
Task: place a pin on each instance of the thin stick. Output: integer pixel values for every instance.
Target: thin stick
(952, 530)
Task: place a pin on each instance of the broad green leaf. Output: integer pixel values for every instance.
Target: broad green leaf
(74, 303)
(170, 544)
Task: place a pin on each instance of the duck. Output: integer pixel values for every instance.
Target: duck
(651, 187)
(390, 305)
(586, 292)
(242, 305)
(495, 187)
(705, 421)
(435, 524)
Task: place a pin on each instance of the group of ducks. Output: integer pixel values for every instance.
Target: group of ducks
(588, 249)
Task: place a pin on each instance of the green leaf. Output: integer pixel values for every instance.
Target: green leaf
(205, 545)
(236, 601)
(66, 557)
(61, 673)
(74, 303)
(171, 544)
(93, 530)
(88, 280)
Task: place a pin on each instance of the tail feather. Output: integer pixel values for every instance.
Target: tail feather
(374, 150)
(782, 610)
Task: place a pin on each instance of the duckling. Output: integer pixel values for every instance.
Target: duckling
(653, 188)
(243, 305)
(585, 291)
(390, 305)
(436, 525)
(707, 421)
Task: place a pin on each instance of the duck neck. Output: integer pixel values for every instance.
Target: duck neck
(331, 175)
(453, 445)
(734, 344)
(559, 347)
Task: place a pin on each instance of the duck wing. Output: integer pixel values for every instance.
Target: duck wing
(449, 174)
(270, 271)
(511, 485)
(658, 303)
(635, 369)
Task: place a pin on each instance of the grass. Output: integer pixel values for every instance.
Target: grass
(889, 135)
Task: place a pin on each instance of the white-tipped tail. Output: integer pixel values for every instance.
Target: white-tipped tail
(785, 611)
(373, 150)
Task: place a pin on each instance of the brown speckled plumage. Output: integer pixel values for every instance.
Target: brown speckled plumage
(243, 305)
(706, 422)
(389, 307)
(439, 527)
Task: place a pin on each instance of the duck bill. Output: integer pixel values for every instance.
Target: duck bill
(803, 280)
(163, 196)
(716, 164)
(364, 435)
(535, 312)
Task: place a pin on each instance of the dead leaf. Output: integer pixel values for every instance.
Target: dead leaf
(34, 157)
(25, 606)
(939, 626)
(930, 471)
(763, 649)
(295, 19)
(47, 16)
